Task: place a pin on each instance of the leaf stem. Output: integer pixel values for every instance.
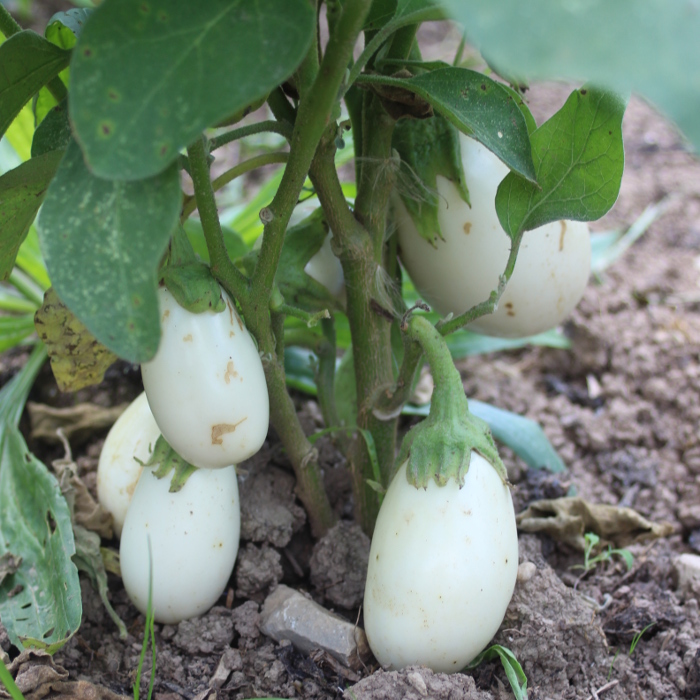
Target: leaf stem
(8, 24)
(491, 304)
(271, 125)
(424, 15)
(190, 203)
(221, 265)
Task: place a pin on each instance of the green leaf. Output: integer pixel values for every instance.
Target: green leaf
(149, 75)
(88, 559)
(647, 46)
(53, 133)
(514, 671)
(477, 106)
(31, 261)
(379, 14)
(301, 243)
(524, 436)
(28, 62)
(465, 343)
(235, 246)
(429, 147)
(45, 607)
(385, 12)
(22, 191)
(14, 329)
(103, 241)
(579, 159)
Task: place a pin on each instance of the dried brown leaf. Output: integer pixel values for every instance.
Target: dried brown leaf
(569, 519)
(78, 423)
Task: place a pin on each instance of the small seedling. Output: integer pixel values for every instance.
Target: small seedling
(514, 671)
(148, 635)
(9, 682)
(637, 637)
(590, 562)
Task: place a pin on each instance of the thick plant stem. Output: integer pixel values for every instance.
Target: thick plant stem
(8, 25)
(360, 247)
(282, 413)
(313, 116)
(301, 453)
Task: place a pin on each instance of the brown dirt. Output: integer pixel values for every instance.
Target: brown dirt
(623, 409)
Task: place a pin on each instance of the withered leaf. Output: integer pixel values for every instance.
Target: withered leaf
(78, 423)
(77, 359)
(569, 519)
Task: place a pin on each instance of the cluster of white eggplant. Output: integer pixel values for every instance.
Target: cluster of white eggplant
(444, 553)
(205, 392)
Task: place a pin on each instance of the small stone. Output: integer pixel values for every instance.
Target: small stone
(526, 571)
(287, 614)
(416, 680)
(686, 570)
(230, 661)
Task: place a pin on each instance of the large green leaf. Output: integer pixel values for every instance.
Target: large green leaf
(579, 159)
(53, 133)
(40, 603)
(476, 105)
(149, 75)
(647, 46)
(22, 191)
(102, 242)
(28, 62)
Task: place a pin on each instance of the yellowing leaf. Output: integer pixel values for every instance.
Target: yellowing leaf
(77, 359)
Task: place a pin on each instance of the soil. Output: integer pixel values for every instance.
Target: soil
(622, 407)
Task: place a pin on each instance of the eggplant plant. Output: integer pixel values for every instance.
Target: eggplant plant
(130, 105)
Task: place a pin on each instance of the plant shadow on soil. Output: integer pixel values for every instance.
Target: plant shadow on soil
(636, 339)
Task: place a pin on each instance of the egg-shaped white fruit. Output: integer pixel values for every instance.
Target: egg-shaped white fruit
(442, 568)
(326, 269)
(551, 272)
(206, 385)
(128, 443)
(194, 536)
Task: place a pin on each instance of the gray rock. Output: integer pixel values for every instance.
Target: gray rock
(287, 614)
(686, 571)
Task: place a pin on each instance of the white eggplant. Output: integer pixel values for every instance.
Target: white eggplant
(550, 274)
(194, 535)
(128, 443)
(206, 385)
(442, 569)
